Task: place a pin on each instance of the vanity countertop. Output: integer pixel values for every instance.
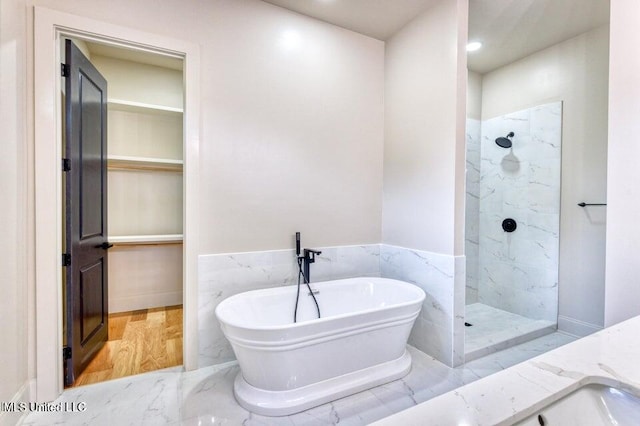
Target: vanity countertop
(610, 356)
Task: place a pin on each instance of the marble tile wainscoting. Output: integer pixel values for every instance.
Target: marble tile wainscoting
(223, 275)
(439, 329)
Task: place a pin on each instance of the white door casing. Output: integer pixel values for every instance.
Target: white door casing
(49, 26)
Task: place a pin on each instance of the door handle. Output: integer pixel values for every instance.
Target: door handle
(105, 246)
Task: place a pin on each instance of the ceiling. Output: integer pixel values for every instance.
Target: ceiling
(512, 29)
(508, 29)
(376, 18)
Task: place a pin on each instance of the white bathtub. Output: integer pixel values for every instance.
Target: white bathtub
(287, 367)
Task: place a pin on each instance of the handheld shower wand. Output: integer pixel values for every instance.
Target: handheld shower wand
(303, 270)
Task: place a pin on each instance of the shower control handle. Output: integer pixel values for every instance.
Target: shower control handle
(509, 225)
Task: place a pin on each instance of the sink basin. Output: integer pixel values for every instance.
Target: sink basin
(592, 404)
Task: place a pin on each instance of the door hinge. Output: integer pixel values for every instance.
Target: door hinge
(66, 353)
(66, 164)
(66, 259)
(65, 69)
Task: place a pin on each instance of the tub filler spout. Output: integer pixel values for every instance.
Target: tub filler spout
(308, 259)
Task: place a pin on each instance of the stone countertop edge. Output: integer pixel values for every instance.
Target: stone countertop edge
(610, 357)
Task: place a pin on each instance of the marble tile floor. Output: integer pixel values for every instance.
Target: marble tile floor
(205, 396)
(494, 330)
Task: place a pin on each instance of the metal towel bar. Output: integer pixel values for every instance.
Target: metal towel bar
(583, 204)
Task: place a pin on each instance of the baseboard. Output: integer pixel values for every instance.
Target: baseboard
(145, 301)
(16, 417)
(576, 327)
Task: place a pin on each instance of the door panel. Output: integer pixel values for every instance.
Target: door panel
(86, 211)
(91, 282)
(91, 158)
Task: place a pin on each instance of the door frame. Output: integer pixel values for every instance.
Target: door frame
(49, 26)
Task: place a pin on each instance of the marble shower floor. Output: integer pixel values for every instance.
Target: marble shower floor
(494, 330)
(205, 396)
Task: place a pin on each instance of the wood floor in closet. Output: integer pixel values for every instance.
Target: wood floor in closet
(139, 342)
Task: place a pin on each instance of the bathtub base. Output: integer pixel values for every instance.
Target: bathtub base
(283, 403)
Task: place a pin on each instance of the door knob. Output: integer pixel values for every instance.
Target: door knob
(105, 246)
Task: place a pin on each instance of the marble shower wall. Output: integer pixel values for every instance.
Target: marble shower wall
(223, 275)
(472, 209)
(518, 271)
(439, 329)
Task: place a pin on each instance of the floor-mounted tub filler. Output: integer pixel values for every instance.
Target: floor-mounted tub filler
(286, 367)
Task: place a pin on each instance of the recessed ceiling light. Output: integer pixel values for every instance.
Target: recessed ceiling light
(473, 46)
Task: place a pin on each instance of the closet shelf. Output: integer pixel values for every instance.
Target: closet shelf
(146, 239)
(121, 162)
(131, 106)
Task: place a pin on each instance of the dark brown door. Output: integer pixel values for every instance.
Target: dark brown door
(86, 211)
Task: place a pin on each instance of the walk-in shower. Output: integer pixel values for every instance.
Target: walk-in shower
(512, 238)
(536, 139)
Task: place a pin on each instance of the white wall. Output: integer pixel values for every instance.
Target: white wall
(15, 361)
(292, 127)
(576, 73)
(622, 298)
(424, 171)
(474, 95)
(424, 133)
(293, 132)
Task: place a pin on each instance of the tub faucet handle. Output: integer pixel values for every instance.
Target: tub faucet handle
(311, 254)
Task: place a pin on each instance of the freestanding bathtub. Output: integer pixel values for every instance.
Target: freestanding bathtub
(287, 367)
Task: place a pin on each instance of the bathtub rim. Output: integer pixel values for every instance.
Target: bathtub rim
(283, 345)
(418, 302)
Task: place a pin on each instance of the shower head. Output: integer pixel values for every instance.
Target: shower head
(505, 142)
